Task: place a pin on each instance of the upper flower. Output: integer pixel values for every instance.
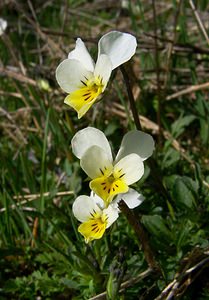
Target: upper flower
(111, 177)
(95, 218)
(84, 80)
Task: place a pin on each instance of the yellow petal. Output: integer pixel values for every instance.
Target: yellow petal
(81, 100)
(107, 187)
(92, 229)
(77, 101)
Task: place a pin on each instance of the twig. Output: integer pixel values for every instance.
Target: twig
(201, 25)
(28, 198)
(16, 95)
(18, 76)
(166, 290)
(183, 279)
(125, 284)
(34, 232)
(184, 47)
(35, 196)
(23, 128)
(189, 90)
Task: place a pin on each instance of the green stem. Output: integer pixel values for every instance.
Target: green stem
(133, 221)
(141, 235)
(43, 170)
(131, 98)
(152, 164)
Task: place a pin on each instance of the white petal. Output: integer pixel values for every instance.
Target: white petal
(103, 68)
(112, 214)
(96, 163)
(138, 142)
(132, 167)
(81, 53)
(88, 137)
(119, 46)
(69, 74)
(3, 25)
(83, 206)
(132, 198)
(97, 200)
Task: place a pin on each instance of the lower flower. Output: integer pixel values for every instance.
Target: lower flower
(94, 218)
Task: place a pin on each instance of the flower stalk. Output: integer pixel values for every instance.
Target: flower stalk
(135, 223)
(131, 98)
(152, 164)
(141, 235)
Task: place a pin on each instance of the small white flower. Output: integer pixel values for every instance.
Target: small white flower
(95, 218)
(3, 25)
(112, 177)
(84, 80)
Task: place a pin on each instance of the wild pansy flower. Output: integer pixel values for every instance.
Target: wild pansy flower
(84, 80)
(111, 177)
(95, 218)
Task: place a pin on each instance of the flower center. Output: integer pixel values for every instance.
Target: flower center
(93, 87)
(109, 185)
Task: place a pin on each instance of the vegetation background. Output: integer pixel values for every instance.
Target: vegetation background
(42, 256)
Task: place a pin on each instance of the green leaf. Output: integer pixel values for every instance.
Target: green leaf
(69, 283)
(183, 192)
(169, 181)
(179, 125)
(156, 226)
(170, 158)
(191, 184)
(202, 109)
